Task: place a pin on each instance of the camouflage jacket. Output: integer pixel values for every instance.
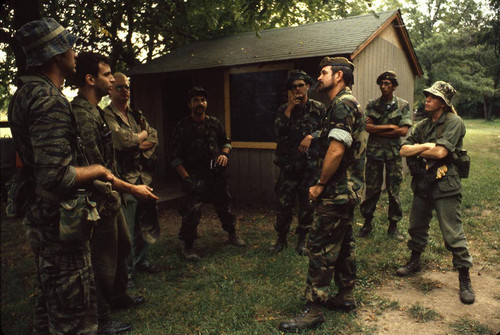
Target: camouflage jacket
(396, 112)
(345, 114)
(304, 120)
(130, 159)
(195, 144)
(448, 131)
(41, 123)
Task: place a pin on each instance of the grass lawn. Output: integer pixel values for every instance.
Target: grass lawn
(248, 291)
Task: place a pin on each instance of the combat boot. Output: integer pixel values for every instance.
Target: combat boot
(301, 245)
(411, 267)
(343, 300)
(394, 232)
(311, 317)
(366, 229)
(189, 253)
(280, 244)
(235, 240)
(466, 293)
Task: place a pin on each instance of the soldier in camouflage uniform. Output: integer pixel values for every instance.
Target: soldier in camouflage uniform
(111, 240)
(388, 119)
(200, 156)
(331, 241)
(297, 126)
(135, 142)
(431, 151)
(44, 131)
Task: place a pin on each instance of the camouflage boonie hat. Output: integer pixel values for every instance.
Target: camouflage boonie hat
(388, 75)
(43, 39)
(298, 75)
(197, 91)
(443, 90)
(336, 61)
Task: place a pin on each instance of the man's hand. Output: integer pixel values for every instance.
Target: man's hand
(143, 192)
(315, 191)
(369, 120)
(305, 144)
(292, 102)
(222, 160)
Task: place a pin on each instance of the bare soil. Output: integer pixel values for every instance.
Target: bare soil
(443, 299)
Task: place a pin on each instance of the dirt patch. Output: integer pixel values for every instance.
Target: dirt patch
(440, 296)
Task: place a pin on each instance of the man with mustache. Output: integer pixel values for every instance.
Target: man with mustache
(297, 126)
(331, 242)
(110, 241)
(200, 156)
(388, 119)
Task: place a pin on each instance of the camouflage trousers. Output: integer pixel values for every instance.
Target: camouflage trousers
(292, 187)
(374, 176)
(207, 189)
(110, 251)
(450, 223)
(66, 292)
(331, 251)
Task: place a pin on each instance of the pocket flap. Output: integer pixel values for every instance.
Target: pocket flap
(69, 204)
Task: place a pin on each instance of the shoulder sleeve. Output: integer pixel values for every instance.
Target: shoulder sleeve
(51, 133)
(342, 121)
(453, 131)
(88, 131)
(406, 113)
(223, 139)
(123, 138)
(178, 146)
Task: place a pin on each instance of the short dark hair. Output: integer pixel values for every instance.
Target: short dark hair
(87, 63)
(348, 75)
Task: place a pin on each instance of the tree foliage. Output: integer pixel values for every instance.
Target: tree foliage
(455, 42)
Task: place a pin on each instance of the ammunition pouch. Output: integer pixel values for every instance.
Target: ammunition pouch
(416, 166)
(77, 218)
(462, 161)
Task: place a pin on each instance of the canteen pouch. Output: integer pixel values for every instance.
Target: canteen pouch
(77, 218)
(462, 162)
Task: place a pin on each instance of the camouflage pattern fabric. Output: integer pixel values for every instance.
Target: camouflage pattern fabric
(298, 171)
(374, 175)
(125, 140)
(293, 187)
(304, 120)
(196, 145)
(40, 120)
(443, 194)
(110, 241)
(382, 151)
(331, 242)
(396, 112)
(331, 251)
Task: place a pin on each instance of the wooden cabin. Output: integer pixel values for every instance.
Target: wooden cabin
(245, 76)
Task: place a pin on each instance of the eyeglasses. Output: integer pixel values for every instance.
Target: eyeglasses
(297, 86)
(120, 88)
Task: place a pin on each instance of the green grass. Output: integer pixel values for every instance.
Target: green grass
(248, 291)
(423, 314)
(470, 327)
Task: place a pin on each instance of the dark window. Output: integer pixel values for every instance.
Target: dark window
(254, 101)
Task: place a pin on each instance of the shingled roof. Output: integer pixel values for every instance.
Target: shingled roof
(340, 37)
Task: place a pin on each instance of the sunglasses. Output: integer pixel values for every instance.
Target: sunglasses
(297, 86)
(120, 88)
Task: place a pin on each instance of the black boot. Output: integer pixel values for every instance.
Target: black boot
(411, 267)
(466, 292)
(311, 317)
(366, 229)
(301, 245)
(343, 300)
(189, 253)
(280, 244)
(394, 232)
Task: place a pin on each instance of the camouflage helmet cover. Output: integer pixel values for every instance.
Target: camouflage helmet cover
(443, 90)
(43, 39)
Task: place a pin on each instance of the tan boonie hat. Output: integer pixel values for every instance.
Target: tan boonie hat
(388, 75)
(43, 39)
(443, 90)
(336, 61)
